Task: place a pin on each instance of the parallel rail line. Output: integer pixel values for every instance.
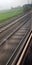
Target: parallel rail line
(24, 50)
(6, 36)
(3, 32)
(14, 59)
(14, 42)
(13, 32)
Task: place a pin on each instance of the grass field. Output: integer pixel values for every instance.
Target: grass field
(10, 14)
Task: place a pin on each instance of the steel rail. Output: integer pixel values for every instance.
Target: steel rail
(13, 32)
(24, 50)
(17, 51)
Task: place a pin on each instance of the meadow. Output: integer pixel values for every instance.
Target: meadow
(5, 15)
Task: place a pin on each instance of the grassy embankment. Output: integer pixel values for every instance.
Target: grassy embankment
(10, 14)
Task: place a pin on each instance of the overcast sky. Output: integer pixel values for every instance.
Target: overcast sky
(7, 4)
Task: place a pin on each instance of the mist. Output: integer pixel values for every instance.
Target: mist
(8, 4)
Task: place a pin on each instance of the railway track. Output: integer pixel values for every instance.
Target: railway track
(22, 60)
(5, 34)
(14, 40)
(17, 56)
(28, 55)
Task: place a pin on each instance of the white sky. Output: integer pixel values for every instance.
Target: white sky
(7, 4)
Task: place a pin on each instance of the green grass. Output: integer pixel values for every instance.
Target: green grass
(10, 14)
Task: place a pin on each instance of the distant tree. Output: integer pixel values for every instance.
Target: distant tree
(27, 7)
